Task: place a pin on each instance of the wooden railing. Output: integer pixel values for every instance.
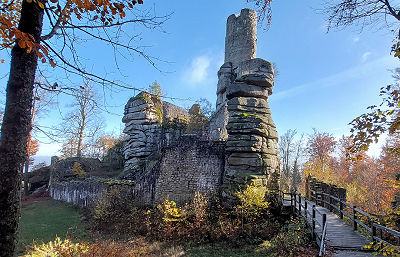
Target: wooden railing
(359, 219)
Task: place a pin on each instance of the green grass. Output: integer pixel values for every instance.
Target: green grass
(44, 219)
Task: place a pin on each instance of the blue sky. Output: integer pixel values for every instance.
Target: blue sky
(325, 79)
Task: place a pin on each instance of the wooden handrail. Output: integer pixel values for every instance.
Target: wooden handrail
(340, 206)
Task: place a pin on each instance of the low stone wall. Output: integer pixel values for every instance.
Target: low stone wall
(78, 192)
(187, 167)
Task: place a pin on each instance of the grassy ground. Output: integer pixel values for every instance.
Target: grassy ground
(43, 219)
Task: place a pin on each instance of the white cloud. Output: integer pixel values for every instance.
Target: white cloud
(198, 71)
(356, 39)
(365, 56)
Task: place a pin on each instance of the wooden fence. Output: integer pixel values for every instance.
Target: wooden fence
(358, 218)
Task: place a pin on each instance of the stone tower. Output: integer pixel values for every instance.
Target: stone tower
(244, 85)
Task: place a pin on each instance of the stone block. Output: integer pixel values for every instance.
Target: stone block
(240, 89)
(249, 102)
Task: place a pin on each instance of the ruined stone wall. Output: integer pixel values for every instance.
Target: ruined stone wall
(78, 192)
(241, 37)
(190, 166)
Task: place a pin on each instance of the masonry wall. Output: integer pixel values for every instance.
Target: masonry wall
(190, 166)
(187, 167)
(78, 192)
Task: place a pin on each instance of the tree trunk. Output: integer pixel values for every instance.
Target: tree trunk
(26, 176)
(16, 127)
(80, 137)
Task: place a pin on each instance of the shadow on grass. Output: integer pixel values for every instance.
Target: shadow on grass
(43, 219)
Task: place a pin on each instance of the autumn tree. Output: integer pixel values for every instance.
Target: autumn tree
(22, 31)
(100, 145)
(32, 149)
(320, 147)
(384, 118)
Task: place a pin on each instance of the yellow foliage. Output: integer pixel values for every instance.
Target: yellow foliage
(252, 201)
(170, 211)
(57, 247)
(321, 171)
(66, 248)
(78, 170)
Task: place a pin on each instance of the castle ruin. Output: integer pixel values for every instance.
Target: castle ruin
(173, 153)
(242, 127)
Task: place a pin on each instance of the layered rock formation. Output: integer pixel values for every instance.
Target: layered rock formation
(244, 85)
(150, 124)
(143, 116)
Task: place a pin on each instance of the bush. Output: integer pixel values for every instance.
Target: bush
(196, 222)
(292, 240)
(78, 170)
(66, 248)
(115, 213)
(252, 202)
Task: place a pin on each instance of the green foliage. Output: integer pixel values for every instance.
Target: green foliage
(78, 170)
(155, 89)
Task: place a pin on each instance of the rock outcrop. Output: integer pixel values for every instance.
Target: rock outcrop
(150, 124)
(143, 117)
(244, 85)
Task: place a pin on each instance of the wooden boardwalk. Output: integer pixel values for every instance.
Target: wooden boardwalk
(340, 237)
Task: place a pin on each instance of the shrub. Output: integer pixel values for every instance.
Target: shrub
(252, 202)
(115, 213)
(66, 248)
(78, 170)
(196, 222)
(294, 238)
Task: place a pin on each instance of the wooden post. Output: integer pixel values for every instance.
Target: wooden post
(305, 209)
(313, 222)
(291, 201)
(373, 233)
(300, 204)
(341, 208)
(294, 198)
(354, 218)
(322, 199)
(323, 220)
(330, 203)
